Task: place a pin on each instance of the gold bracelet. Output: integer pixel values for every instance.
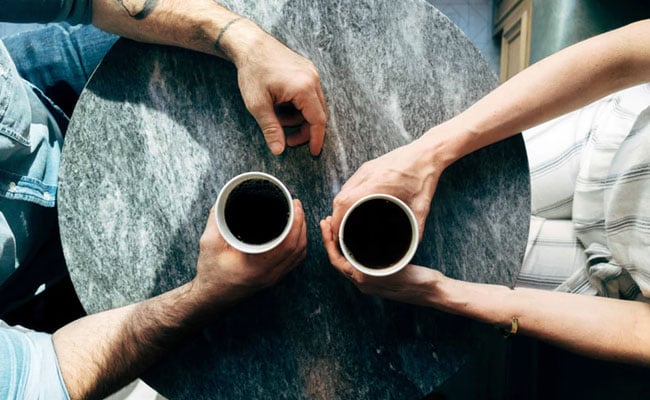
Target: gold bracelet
(514, 327)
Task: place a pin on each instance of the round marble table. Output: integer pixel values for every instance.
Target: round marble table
(159, 130)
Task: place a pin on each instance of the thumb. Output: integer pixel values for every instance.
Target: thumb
(271, 128)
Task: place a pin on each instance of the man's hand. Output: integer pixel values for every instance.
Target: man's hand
(404, 173)
(280, 89)
(223, 269)
(413, 284)
(126, 340)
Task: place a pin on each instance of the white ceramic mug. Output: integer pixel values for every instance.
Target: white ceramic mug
(407, 238)
(220, 208)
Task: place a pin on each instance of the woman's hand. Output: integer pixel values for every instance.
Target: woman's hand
(413, 284)
(405, 173)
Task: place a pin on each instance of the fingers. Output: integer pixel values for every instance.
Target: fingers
(299, 220)
(299, 137)
(288, 115)
(211, 223)
(312, 118)
(333, 253)
(264, 113)
(421, 211)
(296, 240)
(352, 190)
(321, 98)
(339, 207)
(211, 237)
(335, 223)
(316, 139)
(295, 244)
(316, 115)
(298, 232)
(300, 248)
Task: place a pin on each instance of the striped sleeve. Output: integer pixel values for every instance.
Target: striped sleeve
(28, 366)
(72, 11)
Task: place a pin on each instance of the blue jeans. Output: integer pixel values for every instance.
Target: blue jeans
(59, 58)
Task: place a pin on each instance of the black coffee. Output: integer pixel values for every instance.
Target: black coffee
(377, 233)
(256, 211)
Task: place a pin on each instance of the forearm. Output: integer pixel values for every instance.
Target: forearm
(196, 25)
(561, 83)
(102, 352)
(594, 326)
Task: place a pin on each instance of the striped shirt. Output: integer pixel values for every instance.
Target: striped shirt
(590, 177)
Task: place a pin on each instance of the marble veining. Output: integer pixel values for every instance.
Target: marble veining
(159, 130)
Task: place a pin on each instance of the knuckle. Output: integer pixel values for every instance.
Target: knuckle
(364, 170)
(314, 72)
(204, 242)
(340, 201)
(315, 77)
(321, 118)
(309, 78)
(256, 106)
(272, 131)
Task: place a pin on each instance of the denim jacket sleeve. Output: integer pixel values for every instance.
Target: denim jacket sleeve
(30, 369)
(30, 140)
(73, 11)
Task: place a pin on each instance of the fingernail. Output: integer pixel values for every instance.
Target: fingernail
(276, 147)
(317, 155)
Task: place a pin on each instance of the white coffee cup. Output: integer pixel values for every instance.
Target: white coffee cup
(394, 239)
(226, 201)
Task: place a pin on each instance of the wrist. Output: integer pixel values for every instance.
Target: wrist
(435, 289)
(491, 304)
(211, 297)
(443, 145)
(215, 30)
(237, 38)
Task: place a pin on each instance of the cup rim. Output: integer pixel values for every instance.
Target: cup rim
(406, 258)
(220, 206)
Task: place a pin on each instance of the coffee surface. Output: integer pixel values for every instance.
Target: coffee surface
(377, 233)
(256, 211)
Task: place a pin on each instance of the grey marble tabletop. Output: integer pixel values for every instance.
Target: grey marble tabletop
(159, 130)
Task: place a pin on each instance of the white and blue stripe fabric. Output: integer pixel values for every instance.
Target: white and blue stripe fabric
(590, 183)
(29, 367)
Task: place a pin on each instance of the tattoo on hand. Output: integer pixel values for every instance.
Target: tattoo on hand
(138, 9)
